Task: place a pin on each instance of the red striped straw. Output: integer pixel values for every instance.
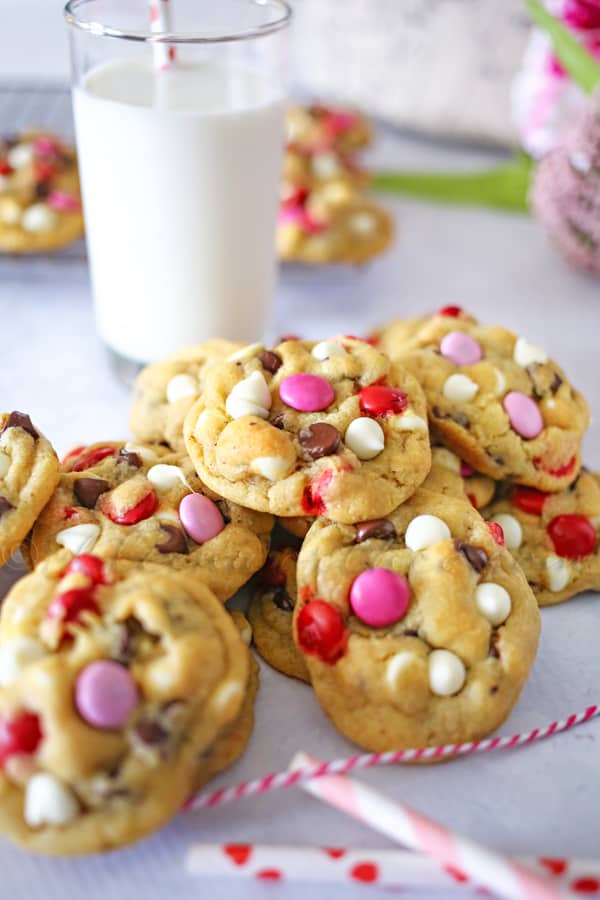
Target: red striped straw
(160, 23)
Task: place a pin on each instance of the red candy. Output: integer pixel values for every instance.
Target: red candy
(5, 168)
(380, 400)
(89, 459)
(19, 735)
(69, 512)
(496, 532)
(529, 500)
(312, 500)
(69, 606)
(142, 510)
(565, 469)
(454, 312)
(44, 171)
(90, 565)
(272, 575)
(572, 536)
(321, 631)
(72, 453)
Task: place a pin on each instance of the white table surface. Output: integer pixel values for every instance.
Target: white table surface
(541, 800)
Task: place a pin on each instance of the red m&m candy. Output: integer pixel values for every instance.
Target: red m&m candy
(22, 734)
(88, 459)
(90, 565)
(69, 606)
(321, 631)
(453, 311)
(528, 499)
(381, 400)
(142, 510)
(496, 532)
(572, 536)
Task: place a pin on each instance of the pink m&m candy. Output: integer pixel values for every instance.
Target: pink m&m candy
(524, 414)
(379, 597)
(306, 393)
(200, 517)
(63, 202)
(460, 348)
(105, 694)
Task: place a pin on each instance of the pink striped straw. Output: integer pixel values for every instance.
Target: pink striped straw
(160, 23)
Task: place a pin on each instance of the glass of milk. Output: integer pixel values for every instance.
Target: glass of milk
(179, 109)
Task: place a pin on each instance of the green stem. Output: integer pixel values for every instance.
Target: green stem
(581, 65)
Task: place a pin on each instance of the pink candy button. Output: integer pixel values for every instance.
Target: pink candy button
(306, 393)
(105, 694)
(524, 414)
(63, 202)
(200, 517)
(379, 597)
(460, 348)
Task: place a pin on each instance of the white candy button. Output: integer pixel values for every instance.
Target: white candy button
(4, 463)
(48, 801)
(20, 155)
(365, 437)
(423, 531)
(513, 533)
(249, 397)
(446, 673)
(525, 353)
(493, 602)
(557, 573)
(459, 388)
(37, 218)
(166, 477)
(409, 422)
(15, 655)
(324, 349)
(446, 458)
(246, 352)
(325, 165)
(272, 467)
(181, 386)
(396, 665)
(363, 224)
(146, 455)
(79, 538)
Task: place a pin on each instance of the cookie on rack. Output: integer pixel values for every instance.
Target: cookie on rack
(555, 538)
(29, 473)
(143, 503)
(165, 391)
(104, 708)
(496, 399)
(40, 201)
(320, 127)
(418, 629)
(329, 428)
(270, 614)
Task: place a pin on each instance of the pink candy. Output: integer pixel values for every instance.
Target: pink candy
(524, 414)
(460, 348)
(379, 597)
(466, 470)
(44, 146)
(63, 202)
(105, 694)
(200, 517)
(306, 393)
(292, 214)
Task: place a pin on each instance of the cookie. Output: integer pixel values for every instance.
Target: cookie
(144, 503)
(327, 429)
(307, 168)
(29, 472)
(417, 629)
(270, 614)
(40, 201)
(319, 127)
(497, 401)
(105, 710)
(165, 391)
(297, 526)
(450, 475)
(555, 538)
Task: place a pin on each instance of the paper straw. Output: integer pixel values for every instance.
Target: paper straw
(385, 868)
(487, 868)
(160, 23)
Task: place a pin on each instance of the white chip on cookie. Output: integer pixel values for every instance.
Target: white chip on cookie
(459, 388)
(48, 801)
(424, 531)
(365, 437)
(79, 538)
(181, 386)
(447, 673)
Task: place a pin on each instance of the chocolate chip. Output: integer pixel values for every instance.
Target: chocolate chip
(270, 361)
(42, 189)
(149, 731)
(5, 506)
(319, 440)
(477, 557)
(556, 383)
(87, 490)
(132, 459)
(281, 599)
(494, 689)
(131, 631)
(410, 632)
(20, 420)
(175, 542)
(380, 529)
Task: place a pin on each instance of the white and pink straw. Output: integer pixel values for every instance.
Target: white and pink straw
(160, 23)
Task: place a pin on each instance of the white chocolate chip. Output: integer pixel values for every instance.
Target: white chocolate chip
(4, 463)
(440, 456)
(246, 352)
(78, 538)
(225, 694)
(424, 531)
(15, 655)
(513, 533)
(365, 437)
(272, 467)
(245, 632)
(38, 217)
(408, 421)
(396, 665)
(171, 518)
(165, 477)
(500, 382)
(10, 211)
(325, 165)
(181, 386)
(493, 602)
(446, 673)
(48, 801)
(249, 397)
(325, 349)
(146, 455)
(20, 155)
(459, 388)
(524, 353)
(557, 573)
(363, 224)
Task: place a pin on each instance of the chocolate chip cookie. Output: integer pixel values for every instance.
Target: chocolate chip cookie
(29, 472)
(418, 629)
(104, 708)
(496, 399)
(143, 503)
(329, 429)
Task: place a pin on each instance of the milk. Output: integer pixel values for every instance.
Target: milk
(180, 177)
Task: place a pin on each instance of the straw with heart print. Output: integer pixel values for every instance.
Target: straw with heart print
(160, 23)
